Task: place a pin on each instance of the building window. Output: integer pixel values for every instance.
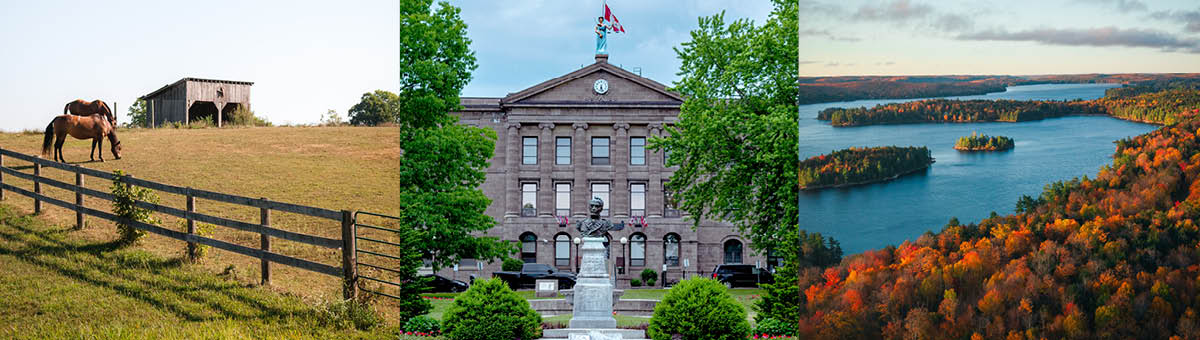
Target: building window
(562, 250)
(600, 151)
(637, 150)
(670, 203)
(529, 248)
(773, 260)
(562, 150)
(637, 199)
(528, 199)
(529, 150)
(600, 190)
(637, 250)
(671, 249)
(733, 252)
(562, 199)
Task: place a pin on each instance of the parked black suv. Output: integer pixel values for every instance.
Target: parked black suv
(531, 272)
(734, 275)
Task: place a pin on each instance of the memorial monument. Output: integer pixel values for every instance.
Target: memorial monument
(593, 295)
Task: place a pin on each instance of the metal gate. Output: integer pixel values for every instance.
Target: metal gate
(378, 247)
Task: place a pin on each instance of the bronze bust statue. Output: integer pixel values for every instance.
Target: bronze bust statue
(594, 226)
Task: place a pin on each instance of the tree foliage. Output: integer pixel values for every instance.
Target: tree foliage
(375, 108)
(958, 111)
(435, 62)
(735, 143)
(139, 115)
(978, 142)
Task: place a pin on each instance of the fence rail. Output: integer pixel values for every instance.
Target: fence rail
(346, 217)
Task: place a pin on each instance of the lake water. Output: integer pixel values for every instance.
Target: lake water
(965, 185)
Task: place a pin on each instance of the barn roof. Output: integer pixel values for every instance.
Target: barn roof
(186, 79)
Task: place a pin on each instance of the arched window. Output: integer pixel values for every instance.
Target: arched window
(637, 250)
(733, 252)
(529, 248)
(562, 250)
(671, 249)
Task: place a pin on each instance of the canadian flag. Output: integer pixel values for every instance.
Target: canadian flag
(616, 24)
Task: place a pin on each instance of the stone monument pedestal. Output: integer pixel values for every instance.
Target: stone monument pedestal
(593, 293)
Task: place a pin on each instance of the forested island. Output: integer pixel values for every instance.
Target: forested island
(978, 142)
(1110, 257)
(856, 166)
(1158, 102)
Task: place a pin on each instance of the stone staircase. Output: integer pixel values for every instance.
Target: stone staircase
(565, 333)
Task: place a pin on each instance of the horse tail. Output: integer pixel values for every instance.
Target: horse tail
(49, 136)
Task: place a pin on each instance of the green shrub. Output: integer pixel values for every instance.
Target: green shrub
(635, 282)
(200, 123)
(771, 326)
(349, 313)
(649, 275)
(423, 324)
(244, 117)
(512, 265)
(490, 310)
(203, 230)
(698, 308)
(124, 198)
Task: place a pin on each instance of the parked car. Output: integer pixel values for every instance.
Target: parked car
(739, 275)
(442, 284)
(531, 272)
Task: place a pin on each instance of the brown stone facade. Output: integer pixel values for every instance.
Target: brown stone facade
(533, 127)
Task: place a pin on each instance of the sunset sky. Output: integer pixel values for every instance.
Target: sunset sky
(1020, 37)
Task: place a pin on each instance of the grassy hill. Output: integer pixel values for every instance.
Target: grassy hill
(329, 167)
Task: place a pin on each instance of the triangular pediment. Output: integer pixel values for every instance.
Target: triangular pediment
(578, 88)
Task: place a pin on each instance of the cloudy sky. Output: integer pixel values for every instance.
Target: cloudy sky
(521, 43)
(304, 56)
(1018, 37)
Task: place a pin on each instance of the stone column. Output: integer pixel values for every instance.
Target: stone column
(619, 150)
(593, 293)
(654, 189)
(545, 163)
(512, 187)
(580, 161)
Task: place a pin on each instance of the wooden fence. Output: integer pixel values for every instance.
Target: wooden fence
(346, 217)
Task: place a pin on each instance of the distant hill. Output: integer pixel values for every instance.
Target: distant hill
(845, 88)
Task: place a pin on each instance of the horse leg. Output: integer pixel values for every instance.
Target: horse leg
(92, 153)
(100, 141)
(58, 144)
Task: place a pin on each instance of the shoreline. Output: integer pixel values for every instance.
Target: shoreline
(1002, 121)
(885, 179)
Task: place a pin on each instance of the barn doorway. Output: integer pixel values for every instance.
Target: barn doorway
(227, 114)
(202, 110)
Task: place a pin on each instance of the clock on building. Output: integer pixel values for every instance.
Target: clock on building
(601, 86)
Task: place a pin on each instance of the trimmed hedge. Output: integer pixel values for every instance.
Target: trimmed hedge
(490, 310)
(699, 308)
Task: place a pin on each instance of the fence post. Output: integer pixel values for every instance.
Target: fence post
(1, 177)
(37, 188)
(265, 242)
(78, 198)
(191, 224)
(349, 251)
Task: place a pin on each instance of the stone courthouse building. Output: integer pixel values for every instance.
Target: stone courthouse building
(582, 135)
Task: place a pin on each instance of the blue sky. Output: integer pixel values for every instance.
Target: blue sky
(305, 57)
(1018, 37)
(521, 43)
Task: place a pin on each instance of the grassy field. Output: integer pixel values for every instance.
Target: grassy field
(329, 167)
(57, 286)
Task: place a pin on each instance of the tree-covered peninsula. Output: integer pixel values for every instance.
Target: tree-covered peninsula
(980, 142)
(856, 166)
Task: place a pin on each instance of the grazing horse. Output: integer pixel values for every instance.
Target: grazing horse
(82, 108)
(91, 127)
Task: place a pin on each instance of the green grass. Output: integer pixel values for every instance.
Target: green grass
(622, 320)
(54, 285)
(329, 167)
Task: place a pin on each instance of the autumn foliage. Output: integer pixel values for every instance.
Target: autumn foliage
(861, 165)
(1112, 257)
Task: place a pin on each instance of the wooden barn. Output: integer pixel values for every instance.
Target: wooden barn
(190, 99)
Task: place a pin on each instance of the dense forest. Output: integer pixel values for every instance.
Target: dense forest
(1111, 257)
(1162, 107)
(847, 88)
(958, 111)
(978, 142)
(861, 165)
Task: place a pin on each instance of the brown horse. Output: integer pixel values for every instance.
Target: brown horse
(93, 127)
(82, 108)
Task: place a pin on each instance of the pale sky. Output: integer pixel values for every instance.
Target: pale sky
(304, 57)
(1017, 37)
(521, 43)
